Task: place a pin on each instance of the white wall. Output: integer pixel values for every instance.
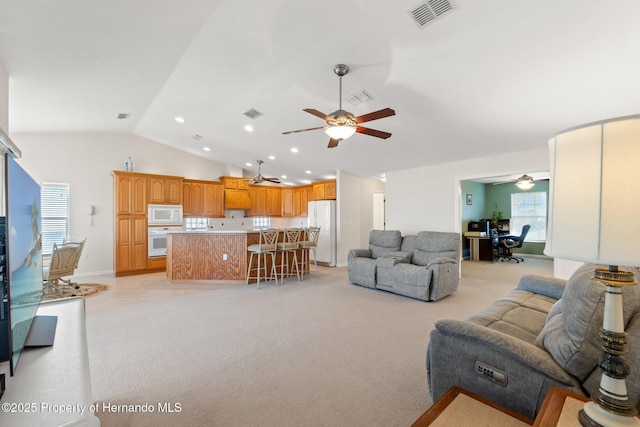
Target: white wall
(4, 99)
(428, 198)
(86, 162)
(354, 212)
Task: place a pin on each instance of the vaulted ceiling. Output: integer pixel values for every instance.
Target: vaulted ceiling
(486, 77)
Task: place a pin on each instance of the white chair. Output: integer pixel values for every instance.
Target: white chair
(310, 244)
(267, 245)
(289, 245)
(64, 260)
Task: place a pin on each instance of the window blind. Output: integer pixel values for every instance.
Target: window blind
(54, 199)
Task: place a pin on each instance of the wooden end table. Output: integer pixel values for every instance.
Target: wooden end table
(560, 409)
(460, 408)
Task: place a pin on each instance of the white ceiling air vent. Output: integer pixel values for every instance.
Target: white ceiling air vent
(358, 98)
(430, 11)
(196, 137)
(253, 113)
(122, 116)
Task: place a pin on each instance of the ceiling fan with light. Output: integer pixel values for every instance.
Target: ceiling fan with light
(259, 178)
(342, 124)
(525, 182)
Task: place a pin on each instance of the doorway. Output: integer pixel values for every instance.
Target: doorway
(378, 211)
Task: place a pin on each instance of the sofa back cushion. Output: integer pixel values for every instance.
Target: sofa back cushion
(571, 334)
(409, 243)
(383, 242)
(435, 244)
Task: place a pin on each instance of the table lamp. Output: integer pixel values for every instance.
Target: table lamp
(594, 213)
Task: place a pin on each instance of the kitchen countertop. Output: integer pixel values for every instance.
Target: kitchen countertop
(214, 231)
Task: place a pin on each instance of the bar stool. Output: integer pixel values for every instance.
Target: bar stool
(289, 245)
(266, 246)
(310, 244)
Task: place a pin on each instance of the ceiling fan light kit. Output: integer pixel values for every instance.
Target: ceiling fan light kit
(343, 124)
(525, 182)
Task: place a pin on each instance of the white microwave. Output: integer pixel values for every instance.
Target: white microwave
(164, 215)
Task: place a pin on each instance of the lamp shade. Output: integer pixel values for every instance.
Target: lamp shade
(340, 131)
(594, 209)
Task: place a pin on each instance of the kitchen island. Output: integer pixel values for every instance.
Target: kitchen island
(211, 255)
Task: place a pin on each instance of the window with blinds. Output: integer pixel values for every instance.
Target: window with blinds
(54, 201)
(529, 208)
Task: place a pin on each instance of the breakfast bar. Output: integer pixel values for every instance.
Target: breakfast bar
(211, 255)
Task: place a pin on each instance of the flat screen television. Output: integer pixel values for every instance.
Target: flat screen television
(23, 258)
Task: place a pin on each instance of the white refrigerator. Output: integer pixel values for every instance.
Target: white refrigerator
(322, 213)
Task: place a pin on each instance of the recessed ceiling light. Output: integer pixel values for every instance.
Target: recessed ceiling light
(248, 164)
(283, 176)
(272, 157)
(179, 119)
(305, 181)
(294, 150)
(206, 148)
(307, 171)
(248, 128)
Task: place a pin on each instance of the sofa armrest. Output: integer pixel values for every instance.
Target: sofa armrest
(509, 347)
(441, 260)
(401, 254)
(549, 286)
(359, 253)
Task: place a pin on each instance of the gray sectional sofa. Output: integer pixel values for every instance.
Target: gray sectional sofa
(543, 333)
(425, 266)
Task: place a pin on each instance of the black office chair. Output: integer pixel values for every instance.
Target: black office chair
(504, 245)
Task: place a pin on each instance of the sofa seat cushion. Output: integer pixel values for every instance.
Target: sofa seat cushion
(405, 279)
(520, 314)
(571, 336)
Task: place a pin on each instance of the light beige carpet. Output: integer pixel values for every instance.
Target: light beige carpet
(320, 353)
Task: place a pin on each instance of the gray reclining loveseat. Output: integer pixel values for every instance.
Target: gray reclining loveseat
(425, 266)
(543, 333)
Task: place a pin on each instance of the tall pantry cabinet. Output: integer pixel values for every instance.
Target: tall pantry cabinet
(131, 222)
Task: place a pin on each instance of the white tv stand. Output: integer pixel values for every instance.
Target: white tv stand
(52, 385)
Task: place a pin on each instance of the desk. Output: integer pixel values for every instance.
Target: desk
(458, 407)
(481, 248)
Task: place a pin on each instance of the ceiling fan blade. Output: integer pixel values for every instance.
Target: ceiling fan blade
(302, 130)
(373, 132)
(380, 114)
(317, 113)
(333, 143)
(274, 180)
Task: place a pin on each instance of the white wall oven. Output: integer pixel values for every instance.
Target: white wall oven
(157, 245)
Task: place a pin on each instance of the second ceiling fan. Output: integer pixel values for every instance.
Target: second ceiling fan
(342, 124)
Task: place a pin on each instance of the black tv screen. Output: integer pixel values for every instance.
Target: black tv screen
(24, 253)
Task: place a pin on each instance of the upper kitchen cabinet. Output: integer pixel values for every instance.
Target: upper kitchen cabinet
(165, 190)
(236, 193)
(203, 199)
(131, 193)
(324, 190)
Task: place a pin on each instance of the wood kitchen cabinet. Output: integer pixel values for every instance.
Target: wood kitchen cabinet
(287, 202)
(274, 201)
(213, 200)
(202, 199)
(258, 196)
(165, 190)
(301, 200)
(131, 193)
(130, 222)
(325, 190)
